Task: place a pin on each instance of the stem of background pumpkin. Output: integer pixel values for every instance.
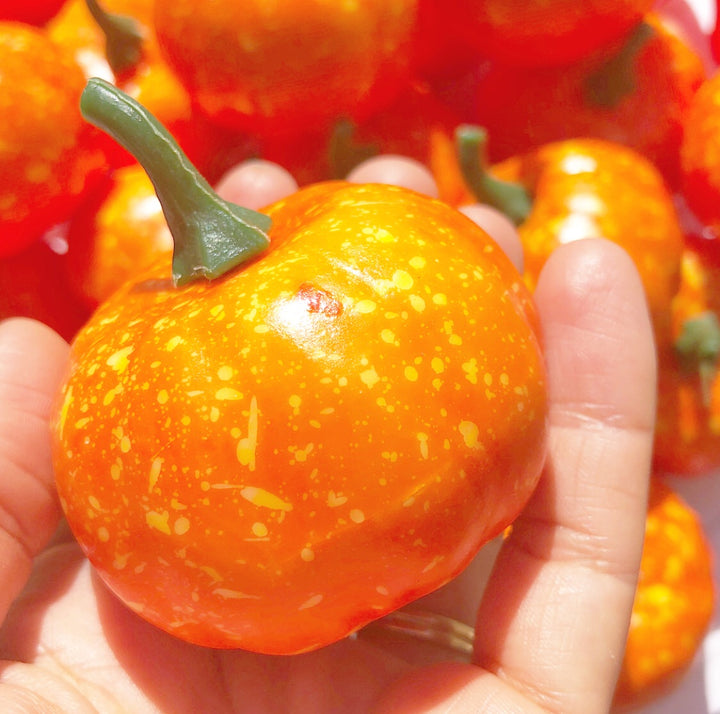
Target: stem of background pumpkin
(210, 235)
(610, 83)
(510, 198)
(345, 151)
(124, 39)
(698, 348)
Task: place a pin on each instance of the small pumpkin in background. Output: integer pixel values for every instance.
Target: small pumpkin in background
(673, 604)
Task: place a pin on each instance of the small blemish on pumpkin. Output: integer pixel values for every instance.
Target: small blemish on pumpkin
(319, 300)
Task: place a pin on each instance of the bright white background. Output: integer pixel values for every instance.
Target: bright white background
(705, 12)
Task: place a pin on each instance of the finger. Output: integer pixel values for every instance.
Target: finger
(554, 618)
(500, 227)
(32, 360)
(397, 171)
(256, 183)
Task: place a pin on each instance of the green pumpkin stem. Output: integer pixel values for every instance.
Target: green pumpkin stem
(510, 198)
(345, 151)
(211, 236)
(698, 348)
(616, 78)
(124, 38)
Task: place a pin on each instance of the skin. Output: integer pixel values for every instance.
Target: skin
(124, 228)
(397, 170)
(406, 128)
(571, 561)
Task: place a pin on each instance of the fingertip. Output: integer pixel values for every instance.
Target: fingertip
(396, 171)
(31, 354)
(256, 183)
(500, 227)
(592, 259)
(599, 339)
(32, 361)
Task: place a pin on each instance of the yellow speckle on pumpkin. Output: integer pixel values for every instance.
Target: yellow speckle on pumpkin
(365, 307)
(120, 562)
(369, 377)
(264, 499)
(422, 438)
(388, 336)
(67, 401)
(357, 516)
(181, 526)
(433, 563)
(225, 373)
(119, 360)
(302, 454)
(471, 370)
(379, 234)
(228, 394)
(246, 447)
(295, 401)
(313, 601)
(111, 394)
(155, 469)
(470, 433)
(403, 280)
(260, 530)
(229, 594)
(335, 499)
(158, 521)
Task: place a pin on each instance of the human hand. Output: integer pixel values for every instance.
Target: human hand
(553, 618)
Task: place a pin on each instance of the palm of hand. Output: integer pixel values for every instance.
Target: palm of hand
(89, 652)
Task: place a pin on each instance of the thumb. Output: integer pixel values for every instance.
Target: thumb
(32, 360)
